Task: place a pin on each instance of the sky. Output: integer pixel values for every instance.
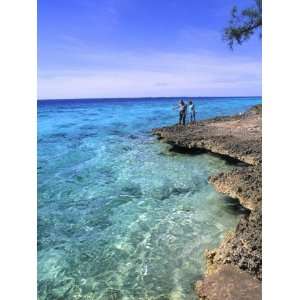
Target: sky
(142, 48)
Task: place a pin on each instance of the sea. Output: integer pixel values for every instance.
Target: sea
(120, 216)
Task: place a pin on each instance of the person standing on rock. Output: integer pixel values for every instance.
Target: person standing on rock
(192, 111)
(182, 112)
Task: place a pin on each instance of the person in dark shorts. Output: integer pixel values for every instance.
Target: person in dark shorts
(182, 112)
(192, 111)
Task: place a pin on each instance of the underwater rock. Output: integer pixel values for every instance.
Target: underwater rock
(161, 193)
(133, 137)
(112, 294)
(132, 190)
(166, 190)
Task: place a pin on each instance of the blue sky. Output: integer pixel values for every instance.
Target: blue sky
(141, 48)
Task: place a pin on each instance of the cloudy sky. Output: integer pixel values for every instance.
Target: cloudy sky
(141, 48)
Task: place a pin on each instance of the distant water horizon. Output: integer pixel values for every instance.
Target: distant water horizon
(142, 98)
(119, 215)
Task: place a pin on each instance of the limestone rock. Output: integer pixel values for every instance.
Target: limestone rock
(229, 283)
(234, 269)
(238, 136)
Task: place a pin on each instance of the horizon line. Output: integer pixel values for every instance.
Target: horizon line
(135, 98)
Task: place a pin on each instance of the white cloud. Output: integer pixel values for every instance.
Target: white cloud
(126, 74)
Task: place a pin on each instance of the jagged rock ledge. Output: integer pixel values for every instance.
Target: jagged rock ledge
(243, 183)
(238, 137)
(234, 269)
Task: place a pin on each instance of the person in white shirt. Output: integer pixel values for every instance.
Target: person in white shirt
(192, 111)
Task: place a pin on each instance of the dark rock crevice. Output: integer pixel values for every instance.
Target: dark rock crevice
(197, 151)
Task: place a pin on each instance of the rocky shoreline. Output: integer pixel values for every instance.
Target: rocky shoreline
(234, 269)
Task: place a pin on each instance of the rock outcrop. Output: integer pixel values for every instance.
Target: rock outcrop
(241, 248)
(234, 269)
(223, 285)
(242, 183)
(238, 137)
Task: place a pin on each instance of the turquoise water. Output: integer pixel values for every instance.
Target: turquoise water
(120, 217)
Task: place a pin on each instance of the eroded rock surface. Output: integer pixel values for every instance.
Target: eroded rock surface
(243, 248)
(229, 283)
(234, 269)
(241, 183)
(238, 137)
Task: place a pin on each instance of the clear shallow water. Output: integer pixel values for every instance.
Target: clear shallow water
(118, 216)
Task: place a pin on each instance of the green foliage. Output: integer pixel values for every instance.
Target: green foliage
(243, 24)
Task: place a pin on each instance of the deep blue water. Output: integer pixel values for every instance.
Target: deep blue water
(119, 217)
